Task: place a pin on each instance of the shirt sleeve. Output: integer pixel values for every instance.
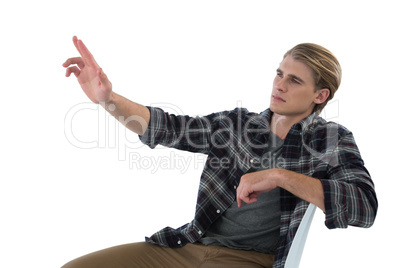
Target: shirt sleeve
(350, 198)
(181, 131)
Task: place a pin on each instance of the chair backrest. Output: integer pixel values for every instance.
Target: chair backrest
(296, 249)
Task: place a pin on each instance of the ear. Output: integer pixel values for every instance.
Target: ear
(321, 96)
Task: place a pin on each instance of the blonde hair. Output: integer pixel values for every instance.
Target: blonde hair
(326, 69)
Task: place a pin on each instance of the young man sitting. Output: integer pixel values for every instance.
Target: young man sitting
(262, 170)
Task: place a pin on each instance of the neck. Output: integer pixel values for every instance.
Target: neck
(281, 124)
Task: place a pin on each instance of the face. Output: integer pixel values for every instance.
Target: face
(293, 92)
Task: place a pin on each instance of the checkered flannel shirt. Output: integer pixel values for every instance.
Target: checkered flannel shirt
(232, 139)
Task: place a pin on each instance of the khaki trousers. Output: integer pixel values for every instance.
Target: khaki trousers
(191, 255)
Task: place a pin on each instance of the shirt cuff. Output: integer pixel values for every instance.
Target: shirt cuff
(336, 210)
(148, 138)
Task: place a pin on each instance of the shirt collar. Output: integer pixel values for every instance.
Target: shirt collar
(265, 116)
(303, 125)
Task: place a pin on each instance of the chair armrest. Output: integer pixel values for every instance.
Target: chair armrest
(296, 249)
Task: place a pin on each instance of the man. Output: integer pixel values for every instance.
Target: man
(261, 172)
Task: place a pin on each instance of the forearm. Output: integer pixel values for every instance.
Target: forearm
(132, 115)
(302, 186)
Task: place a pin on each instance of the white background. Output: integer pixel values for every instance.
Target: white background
(59, 201)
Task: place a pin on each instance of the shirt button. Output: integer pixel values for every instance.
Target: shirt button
(199, 232)
(252, 161)
(218, 211)
(235, 187)
(179, 242)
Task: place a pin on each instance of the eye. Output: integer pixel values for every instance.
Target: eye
(279, 74)
(296, 81)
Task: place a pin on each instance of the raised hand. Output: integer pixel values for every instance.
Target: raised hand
(91, 78)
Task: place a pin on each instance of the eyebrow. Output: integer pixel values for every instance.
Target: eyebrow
(291, 75)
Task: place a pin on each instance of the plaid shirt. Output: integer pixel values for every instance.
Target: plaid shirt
(233, 139)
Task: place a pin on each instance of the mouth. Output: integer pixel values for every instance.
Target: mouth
(277, 98)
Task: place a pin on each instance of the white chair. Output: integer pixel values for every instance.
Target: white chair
(296, 249)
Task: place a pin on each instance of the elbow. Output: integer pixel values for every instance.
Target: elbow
(372, 214)
(342, 215)
(369, 208)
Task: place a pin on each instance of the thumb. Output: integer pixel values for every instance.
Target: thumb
(101, 75)
(103, 80)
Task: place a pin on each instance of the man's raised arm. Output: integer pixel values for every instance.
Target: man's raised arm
(98, 88)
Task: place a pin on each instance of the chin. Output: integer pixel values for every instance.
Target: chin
(277, 110)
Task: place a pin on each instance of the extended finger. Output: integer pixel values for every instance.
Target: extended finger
(73, 69)
(78, 60)
(239, 203)
(84, 52)
(238, 194)
(75, 41)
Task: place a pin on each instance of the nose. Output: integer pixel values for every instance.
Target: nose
(279, 84)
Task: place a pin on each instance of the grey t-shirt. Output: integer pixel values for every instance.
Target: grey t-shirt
(253, 226)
